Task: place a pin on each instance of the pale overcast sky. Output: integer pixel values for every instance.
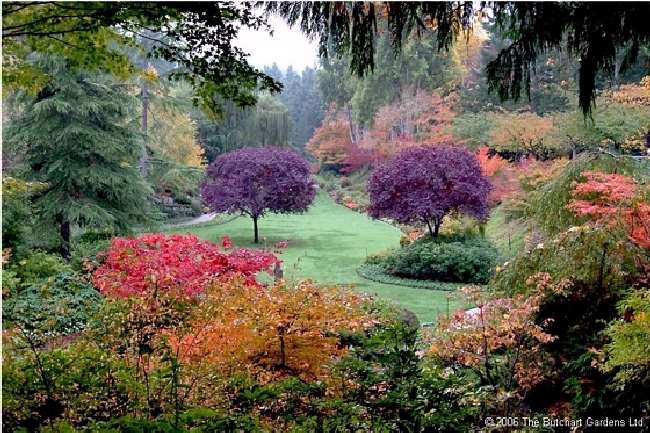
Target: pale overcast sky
(287, 46)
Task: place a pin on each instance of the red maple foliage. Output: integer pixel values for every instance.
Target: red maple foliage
(639, 225)
(178, 265)
(502, 174)
(602, 195)
(490, 164)
(613, 199)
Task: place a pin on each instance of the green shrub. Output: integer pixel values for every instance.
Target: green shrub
(87, 252)
(377, 272)
(37, 266)
(58, 305)
(18, 211)
(95, 236)
(199, 420)
(451, 259)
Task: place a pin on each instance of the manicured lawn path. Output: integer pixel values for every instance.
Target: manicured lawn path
(327, 244)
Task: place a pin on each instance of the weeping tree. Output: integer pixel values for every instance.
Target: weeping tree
(80, 143)
(265, 124)
(595, 33)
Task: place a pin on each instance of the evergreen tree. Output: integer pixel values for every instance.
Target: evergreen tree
(80, 143)
(274, 72)
(311, 113)
(302, 97)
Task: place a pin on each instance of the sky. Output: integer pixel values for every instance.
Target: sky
(287, 46)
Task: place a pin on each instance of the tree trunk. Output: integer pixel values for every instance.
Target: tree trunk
(143, 163)
(435, 230)
(64, 231)
(283, 353)
(257, 239)
(352, 136)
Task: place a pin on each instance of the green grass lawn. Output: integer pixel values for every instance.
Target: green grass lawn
(327, 244)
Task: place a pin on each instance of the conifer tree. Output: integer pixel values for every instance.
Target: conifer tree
(79, 142)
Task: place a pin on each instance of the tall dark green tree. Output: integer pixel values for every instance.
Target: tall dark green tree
(80, 142)
(310, 115)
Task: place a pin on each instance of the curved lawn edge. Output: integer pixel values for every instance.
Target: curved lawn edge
(377, 274)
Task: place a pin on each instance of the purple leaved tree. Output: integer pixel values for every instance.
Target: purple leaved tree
(423, 184)
(257, 180)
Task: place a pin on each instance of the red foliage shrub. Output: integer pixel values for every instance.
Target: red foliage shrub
(613, 199)
(181, 265)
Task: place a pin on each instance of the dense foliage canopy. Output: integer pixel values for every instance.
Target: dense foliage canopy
(94, 35)
(254, 181)
(534, 28)
(77, 139)
(423, 184)
(534, 225)
(177, 265)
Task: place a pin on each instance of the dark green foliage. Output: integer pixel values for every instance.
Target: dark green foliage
(17, 212)
(46, 298)
(301, 96)
(375, 270)
(584, 273)
(532, 27)
(405, 392)
(81, 145)
(86, 35)
(466, 260)
(537, 26)
(266, 124)
(199, 420)
(59, 306)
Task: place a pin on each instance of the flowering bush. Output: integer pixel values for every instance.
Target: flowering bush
(182, 265)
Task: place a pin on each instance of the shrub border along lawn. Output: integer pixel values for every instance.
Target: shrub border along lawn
(376, 273)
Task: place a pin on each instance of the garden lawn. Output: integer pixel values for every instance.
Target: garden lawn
(327, 244)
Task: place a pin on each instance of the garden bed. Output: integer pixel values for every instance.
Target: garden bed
(376, 273)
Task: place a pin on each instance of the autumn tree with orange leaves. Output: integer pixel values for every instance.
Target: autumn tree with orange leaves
(522, 133)
(498, 340)
(272, 332)
(331, 142)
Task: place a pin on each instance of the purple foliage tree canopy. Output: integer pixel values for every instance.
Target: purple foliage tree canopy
(423, 184)
(254, 181)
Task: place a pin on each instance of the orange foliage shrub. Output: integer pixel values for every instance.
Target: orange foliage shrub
(331, 142)
(490, 165)
(633, 94)
(433, 125)
(270, 332)
(499, 337)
